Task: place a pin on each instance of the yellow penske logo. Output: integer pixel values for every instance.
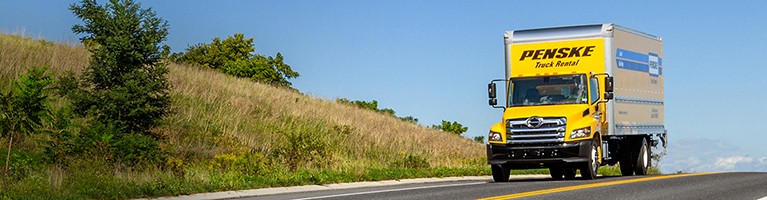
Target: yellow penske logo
(558, 53)
(545, 57)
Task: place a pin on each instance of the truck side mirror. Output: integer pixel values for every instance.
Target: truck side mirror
(491, 94)
(491, 90)
(608, 95)
(609, 84)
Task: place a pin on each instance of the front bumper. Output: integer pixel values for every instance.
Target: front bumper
(529, 157)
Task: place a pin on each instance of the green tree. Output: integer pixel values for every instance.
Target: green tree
(23, 109)
(236, 56)
(125, 82)
(451, 127)
(219, 53)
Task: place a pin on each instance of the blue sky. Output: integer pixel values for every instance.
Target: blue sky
(433, 59)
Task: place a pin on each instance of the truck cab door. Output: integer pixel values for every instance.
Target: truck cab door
(597, 103)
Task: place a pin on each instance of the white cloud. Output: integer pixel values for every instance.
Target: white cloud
(729, 163)
(701, 155)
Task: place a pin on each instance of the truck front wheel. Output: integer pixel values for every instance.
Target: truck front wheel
(500, 173)
(589, 170)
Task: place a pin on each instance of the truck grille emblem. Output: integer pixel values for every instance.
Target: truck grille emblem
(534, 122)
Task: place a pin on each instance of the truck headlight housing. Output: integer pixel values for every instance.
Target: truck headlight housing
(581, 133)
(494, 136)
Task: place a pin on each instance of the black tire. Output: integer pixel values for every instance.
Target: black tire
(500, 173)
(627, 160)
(642, 159)
(589, 169)
(556, 172)
(569, 173)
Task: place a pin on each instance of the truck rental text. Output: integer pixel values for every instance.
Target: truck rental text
(578, 97)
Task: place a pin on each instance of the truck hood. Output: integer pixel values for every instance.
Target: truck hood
(571, 111)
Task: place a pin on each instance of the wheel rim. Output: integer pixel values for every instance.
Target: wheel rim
(645, 157)
(594, 163)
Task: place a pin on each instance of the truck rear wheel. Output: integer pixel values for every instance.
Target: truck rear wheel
(589, 169)
(642, 159)
(500, 173)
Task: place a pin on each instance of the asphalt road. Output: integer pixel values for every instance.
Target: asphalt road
(740, 185)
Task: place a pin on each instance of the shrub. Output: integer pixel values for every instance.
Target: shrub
(236, 56)
(451, 127)
(219, 53)
(62, 133)
(22, 164)
(24, 109)
(410, 119)
(373, 105)
(136, 149)
(106, 142)
(480, 139)
(304, 148)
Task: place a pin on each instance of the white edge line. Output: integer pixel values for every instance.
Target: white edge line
(392, 190)
(763, 198)
(312, 188)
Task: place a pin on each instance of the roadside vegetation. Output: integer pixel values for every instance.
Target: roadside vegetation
(207, 129)
(117, 117)
(373, 105)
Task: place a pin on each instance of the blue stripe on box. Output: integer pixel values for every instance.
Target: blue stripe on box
(637, 61)
(626, 54)
(631, 65)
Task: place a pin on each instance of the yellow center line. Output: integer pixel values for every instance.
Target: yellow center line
(593, 185)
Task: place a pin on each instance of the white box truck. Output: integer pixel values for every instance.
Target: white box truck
(578, 97)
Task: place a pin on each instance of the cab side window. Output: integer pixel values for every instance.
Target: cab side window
(594, 84)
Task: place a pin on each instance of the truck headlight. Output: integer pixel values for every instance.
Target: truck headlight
(581, 133)
(493, 136)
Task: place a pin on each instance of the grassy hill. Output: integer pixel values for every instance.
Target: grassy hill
(227, 133)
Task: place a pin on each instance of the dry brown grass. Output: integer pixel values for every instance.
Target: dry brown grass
(237, 102)
(17, 53)
(215, 113)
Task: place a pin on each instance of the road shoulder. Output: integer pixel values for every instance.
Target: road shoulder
(336, 186)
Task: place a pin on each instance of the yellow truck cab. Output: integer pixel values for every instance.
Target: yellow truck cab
(578, 97)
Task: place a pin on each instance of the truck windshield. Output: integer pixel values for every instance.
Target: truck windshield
(548, 90)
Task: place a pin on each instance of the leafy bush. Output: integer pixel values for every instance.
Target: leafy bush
(304, 147)
(236, 56)
(62, 134)
(218, 53)
(22, 164)
(25, 108)
(410, 119)
(373, 105)
(107, 142)
(451, 127)
(136, 149)
(480, 139)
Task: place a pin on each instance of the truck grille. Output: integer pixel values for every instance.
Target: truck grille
(540, 131)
